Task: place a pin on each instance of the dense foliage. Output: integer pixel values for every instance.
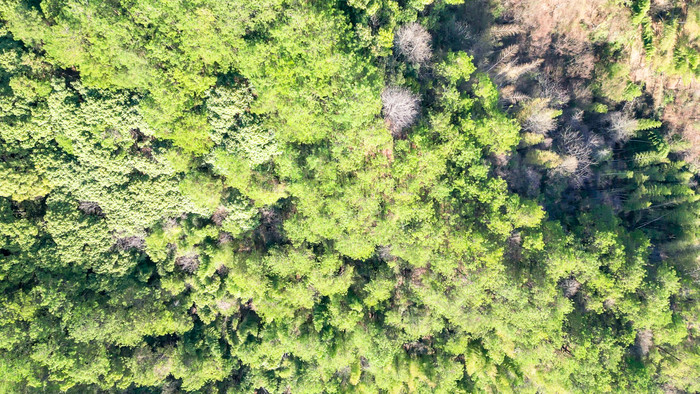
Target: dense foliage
(349, 196)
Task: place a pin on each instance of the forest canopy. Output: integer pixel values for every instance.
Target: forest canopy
(375, 196)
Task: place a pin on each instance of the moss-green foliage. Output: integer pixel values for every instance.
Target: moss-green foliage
(307, 80)
(674, 45)
(171, 51)
(203, 197)
(615, 83)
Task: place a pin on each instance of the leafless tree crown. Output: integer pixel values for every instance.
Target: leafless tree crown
(384, 253)
(90, 208)
(225, 238)
(570, 287)
(540, 122)
(132, 242)
(400, 108)
(622, 126)
(188, 263)
(643, 342)
(578, 152)
(413, 42)
(219, 215)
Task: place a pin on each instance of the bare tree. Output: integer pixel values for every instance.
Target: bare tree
(509, 93)
(643, 342)
(568, 165)
(506, 55)
(170, 223)
(540, 122)
(170, 386)
(525, 180)
(498, 32)
(510, 71)
(225, 238)
(514, 247)
(537, 117)
(270, 229)
(581, 92)
(226, 305)
(222, 270)
(578, 156)
(622, 126)
(400, 108)
(91, 208)
(384, 253)
(219, 215)
(609, 303)
(570, 287)
(413, 42)
(133, 242)
(188, 263)
(552, 89)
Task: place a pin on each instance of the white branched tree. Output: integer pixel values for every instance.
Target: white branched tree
(400, 108)
(413, 42)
